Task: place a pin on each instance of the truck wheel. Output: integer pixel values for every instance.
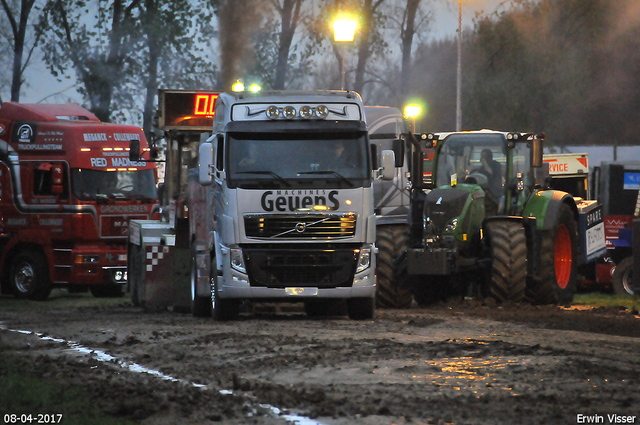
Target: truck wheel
(29, 276)
(221, 309)
(558, 262)
(200, 306)
(508, 243)
(391, 242)
(361, 308)
(107, 291)
(622, 280)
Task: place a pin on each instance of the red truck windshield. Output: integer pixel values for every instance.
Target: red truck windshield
(92, 184)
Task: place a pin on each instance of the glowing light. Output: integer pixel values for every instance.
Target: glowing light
(205, 104)
(238, 86)
(344, 29)
(412, 111)
(85, 149)
(254, 88)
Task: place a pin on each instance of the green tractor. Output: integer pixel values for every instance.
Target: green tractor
(488, 225)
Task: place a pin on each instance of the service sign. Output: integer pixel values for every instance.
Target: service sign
(567, 164)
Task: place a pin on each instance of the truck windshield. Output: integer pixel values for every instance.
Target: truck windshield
(480, 158)
(297, 160)
(91, 184)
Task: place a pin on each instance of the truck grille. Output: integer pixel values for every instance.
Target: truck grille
(280, 268)
(300, 226)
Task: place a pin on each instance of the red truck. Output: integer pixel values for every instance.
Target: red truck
(67, 193)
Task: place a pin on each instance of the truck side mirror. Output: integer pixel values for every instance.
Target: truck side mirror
(374, 156)
(388, 168)
(134, 150)
(398, 149)
(205, 159)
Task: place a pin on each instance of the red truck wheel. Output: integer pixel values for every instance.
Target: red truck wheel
(29, 277)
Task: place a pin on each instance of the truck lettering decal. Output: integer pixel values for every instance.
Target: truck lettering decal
(98, 162)
(95, 137)
(51, 222)
(125, 137)
(17, 222)
(48, 147)
(123, 209)
(286, 200)
(125, 162)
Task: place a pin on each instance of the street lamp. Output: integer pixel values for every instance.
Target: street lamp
(411, 112)
(344, 29)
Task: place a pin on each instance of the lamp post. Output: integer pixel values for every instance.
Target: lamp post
(459, 76)
(344, 29)
(411, 112)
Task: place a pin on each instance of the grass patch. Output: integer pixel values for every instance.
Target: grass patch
(598, 299)
(61, 299)
(23, 393)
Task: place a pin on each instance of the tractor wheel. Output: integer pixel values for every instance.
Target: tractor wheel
(558, 262)
(29, 276)
(508, 278)
(200, 306)
(622, 280)
(391, 240)
(222, 309)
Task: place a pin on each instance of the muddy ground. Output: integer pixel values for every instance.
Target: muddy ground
(458, 363)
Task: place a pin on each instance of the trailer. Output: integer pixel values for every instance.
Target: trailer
(67, 193)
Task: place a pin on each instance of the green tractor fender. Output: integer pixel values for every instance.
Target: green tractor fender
(545, 205)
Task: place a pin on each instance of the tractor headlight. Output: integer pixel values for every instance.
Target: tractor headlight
(451, 226)
(237, 261)
(364, 260)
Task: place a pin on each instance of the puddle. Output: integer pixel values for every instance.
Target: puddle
(103, 356)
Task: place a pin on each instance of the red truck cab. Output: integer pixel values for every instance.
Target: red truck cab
(67, 193)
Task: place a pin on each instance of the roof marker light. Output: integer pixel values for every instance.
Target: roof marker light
(322, 111)
(289, 112)
(273, 112)
(306, 112)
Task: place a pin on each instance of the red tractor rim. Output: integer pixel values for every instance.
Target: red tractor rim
(563, 256)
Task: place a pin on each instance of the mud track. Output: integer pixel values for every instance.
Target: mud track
(461, 363)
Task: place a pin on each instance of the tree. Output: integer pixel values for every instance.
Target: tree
(102, 56)
(19, 22)
(289, 11)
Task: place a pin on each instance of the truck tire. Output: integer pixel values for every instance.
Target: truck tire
(558, 262)
(391, 240)
(508, 277)
(361, 308)
(221, 309)
(622, 280)
(29, 276)
(200, 306)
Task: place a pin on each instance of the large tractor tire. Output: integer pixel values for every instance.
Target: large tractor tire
(622, 280)
(29, 276)
(558, 262)
(508, 277)
(391, 240)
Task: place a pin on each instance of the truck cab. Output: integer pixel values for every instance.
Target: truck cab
(68, 191)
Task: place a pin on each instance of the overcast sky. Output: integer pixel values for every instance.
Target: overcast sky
(40, 86)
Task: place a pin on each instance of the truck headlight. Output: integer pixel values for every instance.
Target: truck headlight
(364, 260)
(237, 261)
(451, 226)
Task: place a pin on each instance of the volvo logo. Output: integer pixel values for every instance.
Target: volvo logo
(300, 227)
